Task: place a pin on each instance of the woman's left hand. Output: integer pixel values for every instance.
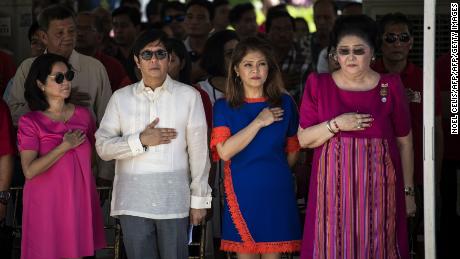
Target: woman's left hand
(410, 206)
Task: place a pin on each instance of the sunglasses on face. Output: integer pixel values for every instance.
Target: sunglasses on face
(148, 54)
(59, 77)
(393, 37)
(346, 52)
(169, 19)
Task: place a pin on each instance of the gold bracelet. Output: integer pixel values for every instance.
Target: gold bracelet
(328, 125)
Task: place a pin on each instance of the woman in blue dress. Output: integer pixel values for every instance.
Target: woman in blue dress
(254, 132)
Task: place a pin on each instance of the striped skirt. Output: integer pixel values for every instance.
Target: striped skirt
(356, 203)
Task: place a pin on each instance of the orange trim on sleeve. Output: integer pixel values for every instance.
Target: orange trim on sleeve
(292, 144)
(218, 135)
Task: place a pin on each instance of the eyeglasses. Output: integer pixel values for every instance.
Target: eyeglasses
(148, 54)
(169, 19)
(59, 77)
(346, 52)
(393, 37)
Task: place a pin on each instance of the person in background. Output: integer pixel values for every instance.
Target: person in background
(242, 17)
(198, 24)
(324, 15)
(180, 68)
(292, 58)
(91, 86)
(173, 14)
(36, 45)
(358, 122)
(215, 61)
(221, 11)
(7, 152)
(397, 41)
(61, 213)
(7, 70)
(153, 10)
(156, 132)
(89, 39)
(254, 132)
(352, 9)
(126, 26)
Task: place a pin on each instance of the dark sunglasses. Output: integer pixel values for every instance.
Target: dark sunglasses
(393, 37)
(169, 19)
(148, 54)
(346, 52)
(59, 77)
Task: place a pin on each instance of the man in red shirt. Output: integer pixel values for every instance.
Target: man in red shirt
(7, 151)
(89, 39)
(397, 41)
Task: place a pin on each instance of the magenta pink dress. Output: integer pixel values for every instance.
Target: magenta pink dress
(61, 215)
(356, 204)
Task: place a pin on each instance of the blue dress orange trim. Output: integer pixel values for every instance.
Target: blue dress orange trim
(260, 212)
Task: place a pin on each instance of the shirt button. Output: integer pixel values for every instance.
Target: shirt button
(154, 204)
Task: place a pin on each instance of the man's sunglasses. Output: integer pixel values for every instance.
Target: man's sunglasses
(169, 19)
(148, 54)
(393, 37)
(59, 77)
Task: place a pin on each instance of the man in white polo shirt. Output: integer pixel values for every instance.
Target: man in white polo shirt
(156, 131)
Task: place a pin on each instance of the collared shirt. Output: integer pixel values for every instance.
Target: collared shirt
(90, 77)
(115, 70)
(164, 181)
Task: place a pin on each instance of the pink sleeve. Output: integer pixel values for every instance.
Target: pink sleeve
(28, 134)
(400, 115)
(309, 104)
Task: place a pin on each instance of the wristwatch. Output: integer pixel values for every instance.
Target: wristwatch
(5, 197)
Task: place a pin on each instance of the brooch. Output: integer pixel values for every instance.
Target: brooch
(384, 92)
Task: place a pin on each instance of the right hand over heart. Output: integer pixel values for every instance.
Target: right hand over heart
(152, 136)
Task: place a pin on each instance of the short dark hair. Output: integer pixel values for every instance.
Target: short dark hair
(217, 3)
(275, 15)
(178, 47)
(213, 58)
(238, 10)
(97, 21)
(361, 26)
(154, 7)
(40, 70)
(203, 3)
(54, 12)
(394, 18)
(273, 86)
(32, 30)
(175, 5)
(133, 14)
(147, 37)
(332, 2)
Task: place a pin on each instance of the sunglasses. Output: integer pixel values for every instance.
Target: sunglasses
(346, 52)
(393, 37)
(59, 77)
(169, 19)
(148, 54)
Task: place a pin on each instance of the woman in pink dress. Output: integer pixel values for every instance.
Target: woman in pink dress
(61, 215)
(358, 122)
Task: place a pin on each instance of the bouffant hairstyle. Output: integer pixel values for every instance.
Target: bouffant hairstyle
(361, 26)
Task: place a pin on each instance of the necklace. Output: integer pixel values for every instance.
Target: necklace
(62, 116)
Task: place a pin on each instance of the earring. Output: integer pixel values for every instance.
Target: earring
(373, 58)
